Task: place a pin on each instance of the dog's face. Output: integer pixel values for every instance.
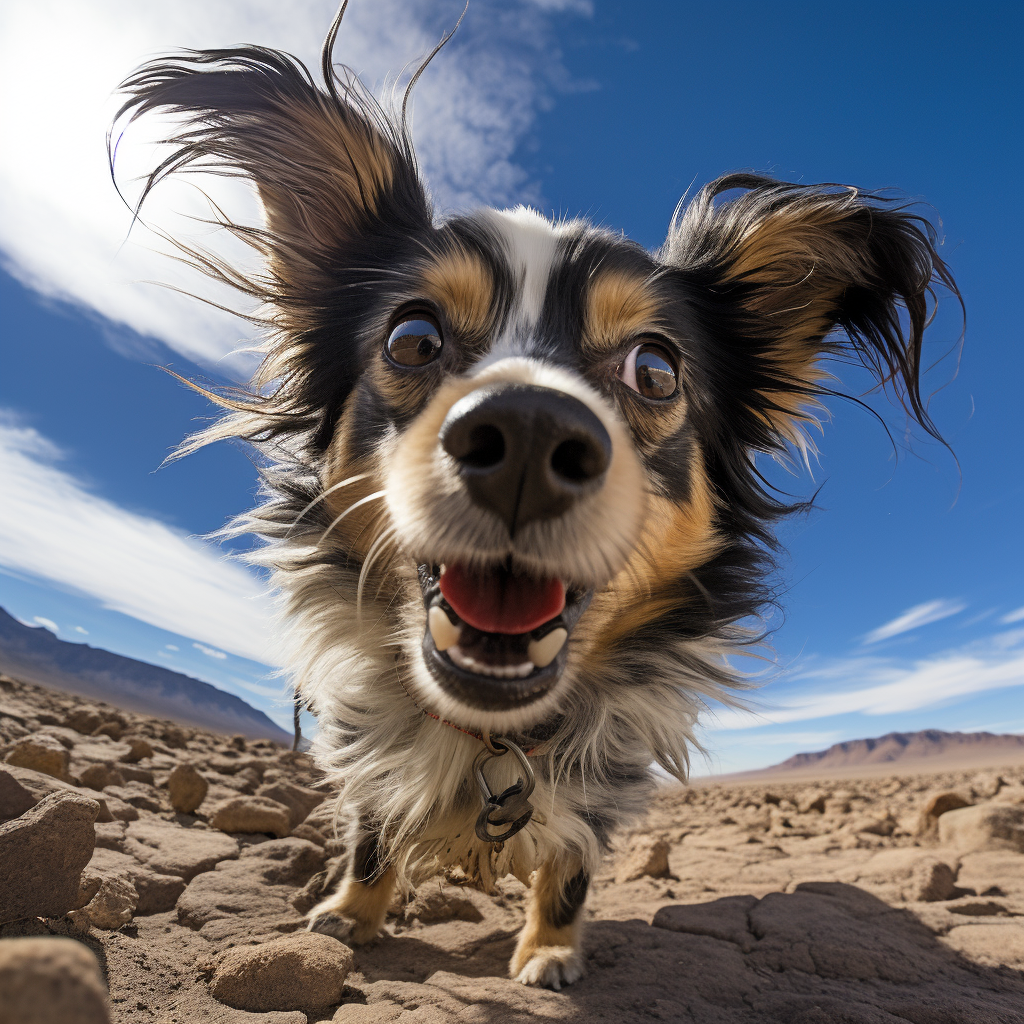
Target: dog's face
(527, 446)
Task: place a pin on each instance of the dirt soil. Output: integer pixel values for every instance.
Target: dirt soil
(886, 899)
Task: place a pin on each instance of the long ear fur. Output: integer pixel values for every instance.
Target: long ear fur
(782, 265)
(339, 185)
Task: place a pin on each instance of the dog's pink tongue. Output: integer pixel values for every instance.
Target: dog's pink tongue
(498, 602)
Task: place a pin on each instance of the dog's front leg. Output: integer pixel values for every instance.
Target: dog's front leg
(356, 912)
(549, 952)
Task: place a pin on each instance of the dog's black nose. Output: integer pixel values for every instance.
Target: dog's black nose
(526, 452)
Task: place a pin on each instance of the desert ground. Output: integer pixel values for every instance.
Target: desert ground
(154, 873)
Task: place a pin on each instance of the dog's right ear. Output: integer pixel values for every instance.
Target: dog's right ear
(328, 167)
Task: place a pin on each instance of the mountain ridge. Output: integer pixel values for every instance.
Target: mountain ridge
(896, 747)
(35, 653)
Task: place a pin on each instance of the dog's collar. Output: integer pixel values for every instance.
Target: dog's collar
(530, 744)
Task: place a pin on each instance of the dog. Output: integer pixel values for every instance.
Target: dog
(510, 494)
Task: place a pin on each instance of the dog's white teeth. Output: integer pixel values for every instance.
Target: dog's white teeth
(470, 664)
(544, 651)
(441, 629)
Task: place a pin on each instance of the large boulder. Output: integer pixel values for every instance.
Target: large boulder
(984, 827)
(42, 855)
(51, 981)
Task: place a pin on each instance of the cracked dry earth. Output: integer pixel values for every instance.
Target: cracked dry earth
(887, 899)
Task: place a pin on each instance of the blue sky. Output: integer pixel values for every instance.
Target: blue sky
(903, 593)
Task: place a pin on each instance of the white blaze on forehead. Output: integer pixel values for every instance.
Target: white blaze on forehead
(531, 242)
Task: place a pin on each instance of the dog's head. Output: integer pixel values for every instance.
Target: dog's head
(527, 447)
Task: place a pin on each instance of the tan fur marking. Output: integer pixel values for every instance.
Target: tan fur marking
(366, 906)
(795, 253)
(461, 284)
(349, 161)
(676, 539)
(619, 307)
(553, 950)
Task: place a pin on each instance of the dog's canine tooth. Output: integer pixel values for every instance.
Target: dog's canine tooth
(544, 651)
(445, 634)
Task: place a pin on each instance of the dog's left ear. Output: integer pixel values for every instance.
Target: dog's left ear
(781, 266)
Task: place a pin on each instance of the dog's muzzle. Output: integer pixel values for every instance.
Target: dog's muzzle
(496, 637)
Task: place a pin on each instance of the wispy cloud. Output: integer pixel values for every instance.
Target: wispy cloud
(891, 687)
(53, 529)
(913, 618)
(79, 629)
(48, 623)
(1014, 616)
(62, 227)
(210, 652)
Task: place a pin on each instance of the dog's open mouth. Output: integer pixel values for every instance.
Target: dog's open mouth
(496, 639)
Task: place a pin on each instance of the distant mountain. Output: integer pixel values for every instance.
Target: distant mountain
(906, 747)
(35, 654)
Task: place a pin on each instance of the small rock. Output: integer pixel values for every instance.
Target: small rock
(433, 904)
(306, 970)
(133, 774)
(156, 892)
(41, 753)
(42, 855)
(119, 809)
(299, 800)
(110, 836)
(112, 906)
(984, 827)
(934, 807)
(85, 720)
(837, 805)
(253, 814)
(138, 749)
(112, 729)
(99, 776)
(931, 882)
(187, 788)
(174, 737)
(314, 835)
(51, 981)
(238, 742)
(645, 856)
(811, 800)
(987, 784)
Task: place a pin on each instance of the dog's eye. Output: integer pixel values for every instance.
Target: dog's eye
(414, 342)
(650, 371)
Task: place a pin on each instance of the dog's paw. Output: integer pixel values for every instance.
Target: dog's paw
(352, 933)
(550, 967)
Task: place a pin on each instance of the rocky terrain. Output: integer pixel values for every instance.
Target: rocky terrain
(150, 872)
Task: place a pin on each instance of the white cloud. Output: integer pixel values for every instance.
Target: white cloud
(48, 623)
(210, 652)
(1014, 616)
(62, 226)
(79, 629)
(171, 647)
(992, 664)
(913, 618)
(53, 529)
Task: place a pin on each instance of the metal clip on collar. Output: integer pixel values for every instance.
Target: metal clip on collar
(511, 807)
